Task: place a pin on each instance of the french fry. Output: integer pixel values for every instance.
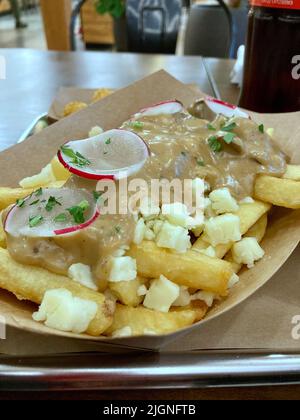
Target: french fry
(278, 191)
(258, 231)
(143, 321)
(189, 269)
(31, 283)
(2, 234)
(9, 196)
(59, 171)
(127, 291)
(249, 214)
(292, 172)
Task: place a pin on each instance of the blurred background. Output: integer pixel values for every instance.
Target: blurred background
(208, 28)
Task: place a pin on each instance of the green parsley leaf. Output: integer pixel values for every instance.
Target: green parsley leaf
(105, 153)
(138, 125)
(62, 217)
(229, 137)
(118, 229)
(20, 202)
(108, 141)
(229, 127)
(211, 127)
(34, 202)
(35, 221)
(261, 128)
(215, 144)
(97, 195)
(38, 192)
(51, 203)
(200, 162)
(77, 212)
(76, 158)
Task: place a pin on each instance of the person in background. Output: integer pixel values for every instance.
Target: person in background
(15, 8)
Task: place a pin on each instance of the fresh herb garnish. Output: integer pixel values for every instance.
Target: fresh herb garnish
(62, 217)
(38, 192)
(108, 141)
(261, 128)
(229, 137)
(105, 152)
(211, 127)
(77, 212)
(76, 158)
(229, 127)
(215, 144)
(200, 162)
(34, 202)
(51, 203)
(97, 195)
(118, 229)
(137, 125)
(183, 153)
(20, 202)
(35, 221)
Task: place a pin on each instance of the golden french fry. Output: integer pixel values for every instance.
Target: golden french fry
(9, 196)
(31, 283)
(189, 269)
(100, 94)
(278, 191)
(127, 291)
(292, 172)
(143, 321)
(59, 171)
(2, 234)
(73, 107)
(249, 214)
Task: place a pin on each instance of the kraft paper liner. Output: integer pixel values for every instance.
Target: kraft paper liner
(28, 157)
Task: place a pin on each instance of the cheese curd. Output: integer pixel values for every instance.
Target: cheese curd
(223, 229)
(173, 237)
(223, 202)
(122, 269)
(95, 131)
(247, 251)
(122, 332)
(139, 232)
(62, 311)
(82, 274)
(161, 295)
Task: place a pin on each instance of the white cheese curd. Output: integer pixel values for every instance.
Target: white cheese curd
(176, 213)
(157, 225)
(142, 290)
(82, 274)
(206, 297)
(121, 251)
(43, 178)
(223, 229)
(148, 209)
(173, 237)
(139, 231)
(247, 200)
(62, 311)
(122, 269)
(122, 332)
(247, 251)
(234, 279)
(95, 131)
(223, 202)
(184, 297)
(149, 234)
(210, 251)
(161, 295)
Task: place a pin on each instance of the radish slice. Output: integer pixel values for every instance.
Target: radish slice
(168, 107)
(51, 212)
(224, 108)
(114, 154)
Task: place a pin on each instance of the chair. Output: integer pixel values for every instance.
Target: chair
(210, 31)
(153, 25)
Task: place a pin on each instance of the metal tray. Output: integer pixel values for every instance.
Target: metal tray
(142, 370)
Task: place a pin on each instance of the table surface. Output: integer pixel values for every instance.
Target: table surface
(33, 77)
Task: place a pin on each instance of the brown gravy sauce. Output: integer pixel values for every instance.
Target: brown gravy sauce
(177, 143)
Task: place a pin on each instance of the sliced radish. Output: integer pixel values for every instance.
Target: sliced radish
(111, 155)
(224, 108)
(51, 212)
(167, 107)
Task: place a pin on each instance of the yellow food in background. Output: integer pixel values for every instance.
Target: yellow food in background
(277, 191)
(59, 171)
(73, 107)
(143, 321)
(31, 283)
(189, 269)
(100, 94)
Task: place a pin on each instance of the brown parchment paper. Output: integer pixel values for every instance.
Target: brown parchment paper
(281, 240)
